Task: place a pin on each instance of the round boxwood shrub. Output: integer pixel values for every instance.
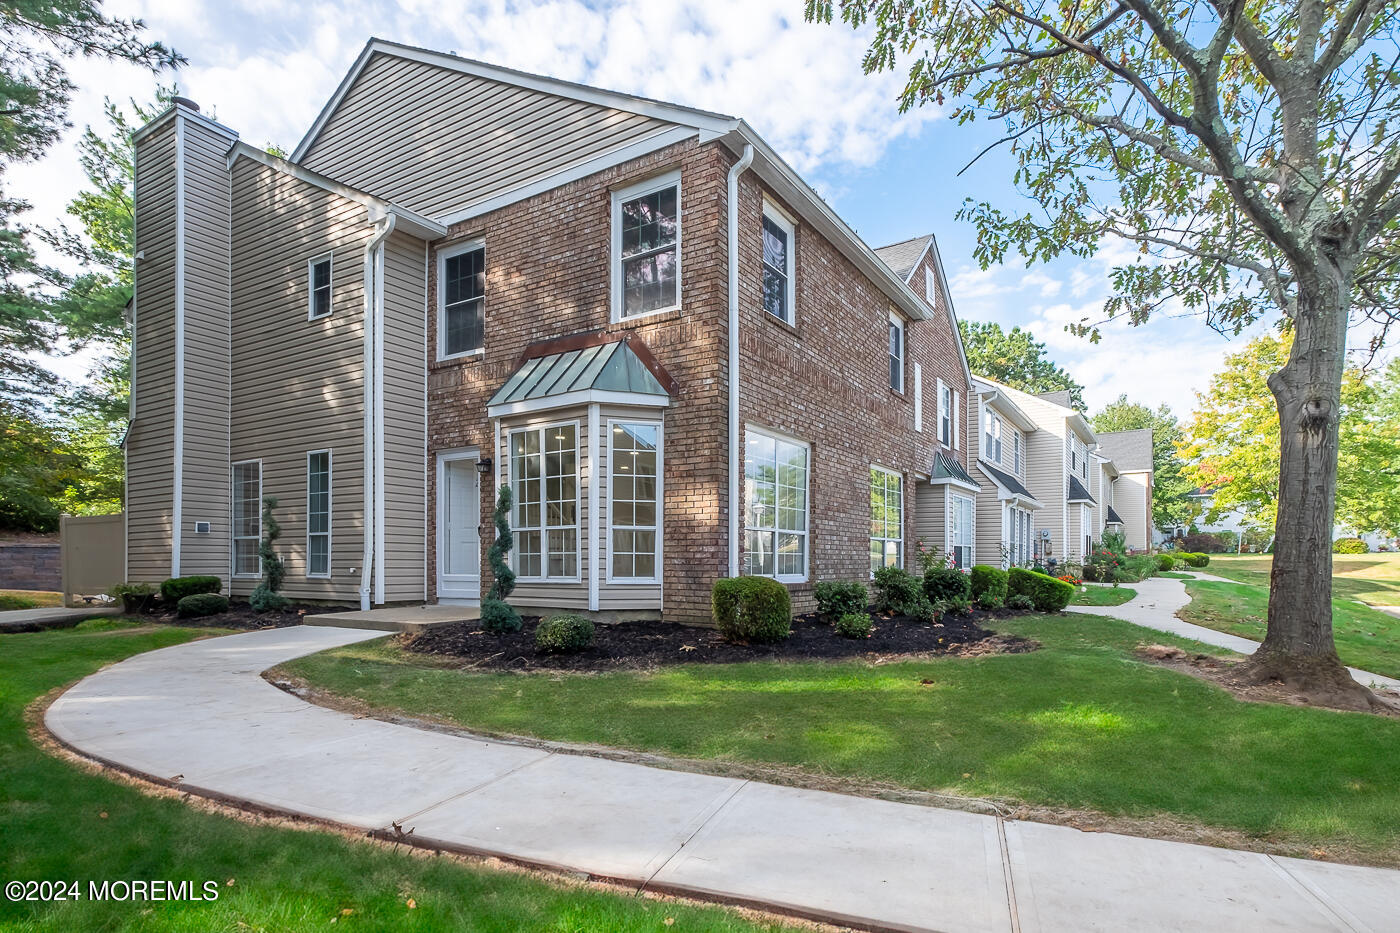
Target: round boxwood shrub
(753, 610)
(1193, 559)
(177, 588)
(201, 604)
(988, 585)
(946, 583)
(1165, 562)
(854, 625)
(1045, 592)
(836, 598)
(1349, 546)
(564, 634)
(498, 617)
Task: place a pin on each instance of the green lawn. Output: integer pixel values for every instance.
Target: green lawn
(1079, 724)
(29, 599)
(1175, 575)
(57, 822)
(1104, 595)
(1366, 638)
(1369, 578)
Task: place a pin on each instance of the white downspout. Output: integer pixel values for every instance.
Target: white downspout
(370, 409)
(733, 203)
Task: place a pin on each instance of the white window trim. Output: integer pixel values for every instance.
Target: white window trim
(443, 255)
(232, 550)
(899, 476)
(330, 512)
(898, 322)
(649, 186)
(311, 264)
(579, 525)
(950, 544)
(785, 223)
(957, 420)
(660, 501)
(807, 506)
(945, 405)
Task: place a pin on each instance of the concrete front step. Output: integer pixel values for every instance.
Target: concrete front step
(397, 618)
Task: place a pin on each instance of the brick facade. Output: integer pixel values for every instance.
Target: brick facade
(823, 380)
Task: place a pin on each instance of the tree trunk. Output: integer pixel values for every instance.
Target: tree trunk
(1299, 648)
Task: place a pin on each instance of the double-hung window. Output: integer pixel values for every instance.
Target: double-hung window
(945, 413)
(775, 506)
(646, 224)
(993, 444)
(960, 530)
(896, 353)
(247, 518)
(318, 513)
(886, 519)
(318, 288)
(634, 501)
(778, 242)
(461, 300)
(544, 472)
(1016, 452)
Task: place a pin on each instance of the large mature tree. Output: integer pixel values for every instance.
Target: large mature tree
(1249, 150)
(1016, 359)
(1170, 485)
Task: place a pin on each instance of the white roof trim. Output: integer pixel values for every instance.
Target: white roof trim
(1002, 402)
(190, 114)
(409, 221)
(1007, 495)
(950, 481)
(714, 123)
(581, 397)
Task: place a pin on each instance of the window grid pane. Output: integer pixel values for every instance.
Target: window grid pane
(775, 507)
(321, 288)
(886, 519)
(633, 506)
(544, 476)
(775, 271)
(247, 518)
(649, 231)
(318, 514)
(464, 300)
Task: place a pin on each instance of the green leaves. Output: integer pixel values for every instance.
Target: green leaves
(1015, 359)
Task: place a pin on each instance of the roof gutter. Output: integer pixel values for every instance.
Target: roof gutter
(738, 168)
(373, 347)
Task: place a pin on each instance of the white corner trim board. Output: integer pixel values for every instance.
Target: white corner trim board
(373, 416)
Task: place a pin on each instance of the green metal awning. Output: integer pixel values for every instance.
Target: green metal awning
(947, 470)
(611, 372)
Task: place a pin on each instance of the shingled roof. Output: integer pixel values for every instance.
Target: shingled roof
(903, 257)
(1129, 450)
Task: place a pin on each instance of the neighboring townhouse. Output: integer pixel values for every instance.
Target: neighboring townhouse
(1006, 507)
(1130, 502)
(684, 364)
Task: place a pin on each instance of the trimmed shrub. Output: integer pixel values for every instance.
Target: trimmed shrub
(1203, 542)
(1193, 560)
(1020, 602)
(836, 598)
(751, 609)
(986, 580)
(264, 599)
(201, 604)
(177, 588)
(135, 597)
(900, 592)
(957, 606)
(1349, 546)
(498, 617)
(854, 625)
(1046, 593)
(1165, 563)
(564, 634)
(947, 583)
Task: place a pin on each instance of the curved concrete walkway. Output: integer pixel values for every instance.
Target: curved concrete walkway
(199, 715)
(1158, 601)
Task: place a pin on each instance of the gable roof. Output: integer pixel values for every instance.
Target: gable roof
(687, 123)
(1061, 397)
(1129, 450)
(1009, 484)
(903, 258)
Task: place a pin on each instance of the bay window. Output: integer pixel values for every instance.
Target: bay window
(960, 530)
(634, 499)
(775, 506)
(544, 474)
(886, 519)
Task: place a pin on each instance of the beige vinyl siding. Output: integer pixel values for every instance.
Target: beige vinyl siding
(435, 140)
(1131, 503)
(405, 420)
(297, 384)
(149, 444)
(550, 594)
(930, 515)
(206, 481)
(622, 596)
(988, 538)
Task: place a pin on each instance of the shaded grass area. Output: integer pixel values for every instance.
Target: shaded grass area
(1366, 638)
(1370, 578)
(1104, 595)
(1079, 724)
(58, 822)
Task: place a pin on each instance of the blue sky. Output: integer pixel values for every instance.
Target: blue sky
(265, 68)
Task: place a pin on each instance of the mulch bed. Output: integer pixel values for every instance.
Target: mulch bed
(241, 615)
(644, 645)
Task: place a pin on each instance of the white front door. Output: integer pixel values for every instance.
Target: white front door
(458, 527)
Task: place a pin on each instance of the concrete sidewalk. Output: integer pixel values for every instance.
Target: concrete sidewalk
(34, 620)
(1157, 603)
(200, 716)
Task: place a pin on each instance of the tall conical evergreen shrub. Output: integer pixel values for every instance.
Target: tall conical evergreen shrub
(496, 614)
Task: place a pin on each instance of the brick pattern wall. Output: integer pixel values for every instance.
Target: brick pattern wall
(30, 567)
(548, 273)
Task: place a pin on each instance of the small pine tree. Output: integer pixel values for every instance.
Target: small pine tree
(266, 597)
(496, 614)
